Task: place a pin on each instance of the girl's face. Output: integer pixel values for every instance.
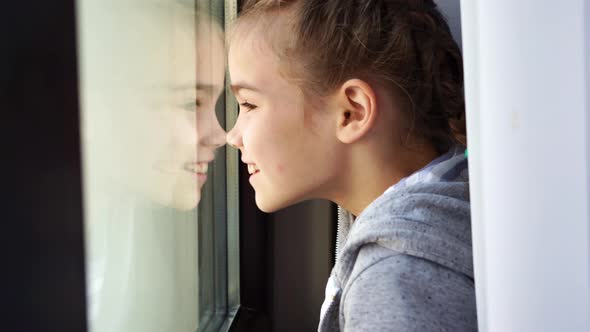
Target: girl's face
(292, 153)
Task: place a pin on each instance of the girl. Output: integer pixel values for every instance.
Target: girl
(361, 103)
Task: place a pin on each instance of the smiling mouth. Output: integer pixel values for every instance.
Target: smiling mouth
(196, 168)
(253, 169)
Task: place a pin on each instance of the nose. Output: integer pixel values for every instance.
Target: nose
(234, 137)
(218, 139)
(214, 135)
(209, 131)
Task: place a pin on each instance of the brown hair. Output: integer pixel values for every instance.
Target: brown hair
(405, 44)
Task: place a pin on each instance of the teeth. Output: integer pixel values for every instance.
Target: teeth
(197, 168)
(252, 168)
(202, 168)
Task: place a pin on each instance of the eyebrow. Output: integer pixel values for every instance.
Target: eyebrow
(242, 85)
(203, 87)
(207, 88)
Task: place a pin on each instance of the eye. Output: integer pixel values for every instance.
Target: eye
(192, 106)
(247, 106)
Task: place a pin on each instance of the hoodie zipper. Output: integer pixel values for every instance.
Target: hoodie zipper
(338, 231)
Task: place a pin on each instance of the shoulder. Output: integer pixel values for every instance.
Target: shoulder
(381, 265)
(391, 290)
(417, 222)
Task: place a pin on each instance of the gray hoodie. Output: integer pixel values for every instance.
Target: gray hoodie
(405, 264)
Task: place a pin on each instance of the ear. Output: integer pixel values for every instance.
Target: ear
(357, 110)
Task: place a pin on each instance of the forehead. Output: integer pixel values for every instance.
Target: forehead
(210, 56)
(252, 63)
(255, 73)
(270, 31)
(257, 45)
(197, 47)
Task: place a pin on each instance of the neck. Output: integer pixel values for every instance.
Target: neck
(370, 174)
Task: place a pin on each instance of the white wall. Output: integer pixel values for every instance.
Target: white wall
(527, 101)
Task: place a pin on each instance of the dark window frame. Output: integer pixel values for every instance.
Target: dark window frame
(42, 214)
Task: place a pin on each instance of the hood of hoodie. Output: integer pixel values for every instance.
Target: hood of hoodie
(425, 215)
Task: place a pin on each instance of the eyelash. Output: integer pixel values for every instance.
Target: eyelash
(247, 106)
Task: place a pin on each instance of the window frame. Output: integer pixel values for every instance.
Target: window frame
(43, 271)
(45, 245)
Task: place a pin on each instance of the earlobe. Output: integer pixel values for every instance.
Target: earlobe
(357, 110)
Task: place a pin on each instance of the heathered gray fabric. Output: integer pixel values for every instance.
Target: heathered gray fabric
(405, 264)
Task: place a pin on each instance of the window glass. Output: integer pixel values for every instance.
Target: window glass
(152, 84)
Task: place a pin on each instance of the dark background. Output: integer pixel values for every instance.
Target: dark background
(42, 235)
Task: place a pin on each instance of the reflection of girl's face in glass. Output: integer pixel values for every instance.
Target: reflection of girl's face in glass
(160, 131)
(188, 127)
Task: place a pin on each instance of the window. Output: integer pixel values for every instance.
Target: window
(160, 211)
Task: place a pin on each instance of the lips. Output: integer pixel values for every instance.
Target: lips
(252, 169)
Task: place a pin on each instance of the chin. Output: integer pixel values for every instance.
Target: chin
(183, 201)
(184, 205)
(266, 206)
(272, 205)
(185, 196)
(186, 202)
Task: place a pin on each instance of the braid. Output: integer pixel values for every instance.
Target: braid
(437, 84)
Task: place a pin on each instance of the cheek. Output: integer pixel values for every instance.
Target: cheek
(273, 159)
(275, 147)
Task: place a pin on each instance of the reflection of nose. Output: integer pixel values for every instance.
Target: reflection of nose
(218, 137)
(234, 137)
(215, 135)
